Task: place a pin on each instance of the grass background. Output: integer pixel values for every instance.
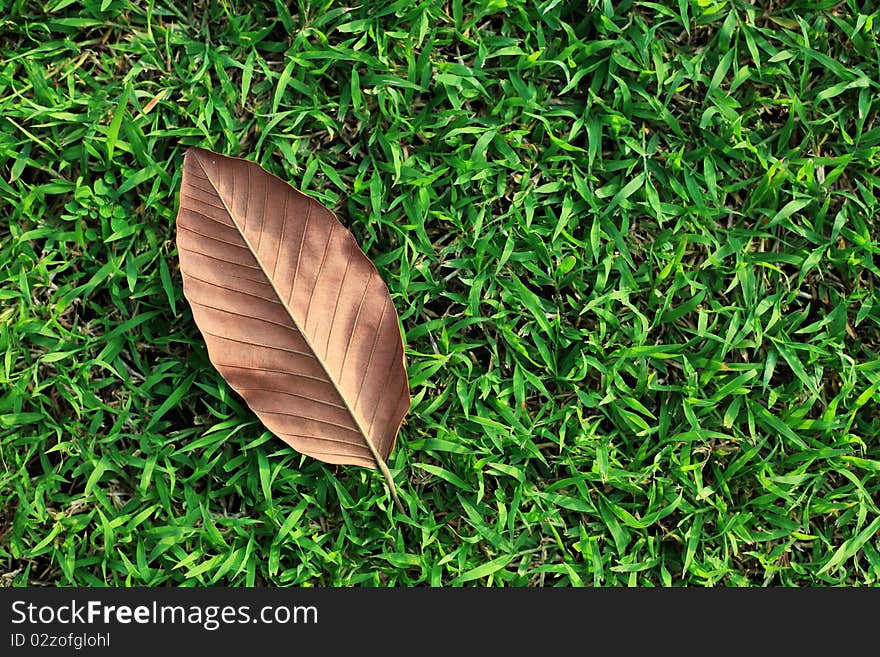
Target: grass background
(632, 246)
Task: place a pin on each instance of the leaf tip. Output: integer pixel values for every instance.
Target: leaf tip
(195, 154)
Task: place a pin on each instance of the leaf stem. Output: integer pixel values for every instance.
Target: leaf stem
(390, 481)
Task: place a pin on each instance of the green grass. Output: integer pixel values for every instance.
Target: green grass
(633, 247)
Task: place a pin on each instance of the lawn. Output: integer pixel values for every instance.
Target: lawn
(632, 246)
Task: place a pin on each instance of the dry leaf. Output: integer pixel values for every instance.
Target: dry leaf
(296, 318)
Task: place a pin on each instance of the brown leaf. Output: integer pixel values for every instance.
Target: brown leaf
(296, 318)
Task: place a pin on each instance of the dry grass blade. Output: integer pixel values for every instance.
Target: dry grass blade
(296, 318)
